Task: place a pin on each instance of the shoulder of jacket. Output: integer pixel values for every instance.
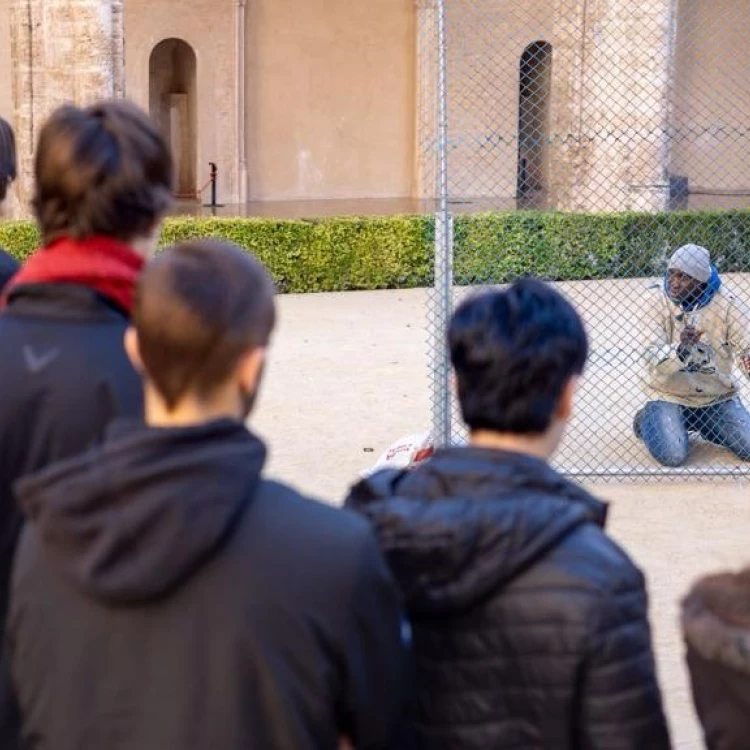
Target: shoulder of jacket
(657, 296)
(312, 516)
(606, 567)
(725, 296)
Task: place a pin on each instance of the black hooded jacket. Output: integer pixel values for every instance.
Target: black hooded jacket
(166, 597)
(529, 625)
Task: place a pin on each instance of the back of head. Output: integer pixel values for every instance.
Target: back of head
(8, 166)
(514, 351)
(103, 170)
(200, 307)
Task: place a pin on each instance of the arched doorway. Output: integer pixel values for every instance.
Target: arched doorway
(173, 106)
(533, 121)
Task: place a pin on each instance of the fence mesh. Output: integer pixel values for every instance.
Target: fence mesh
(585, 141)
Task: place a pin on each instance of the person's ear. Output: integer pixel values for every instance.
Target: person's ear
(250, 369)
(133, 349)
(564, 409)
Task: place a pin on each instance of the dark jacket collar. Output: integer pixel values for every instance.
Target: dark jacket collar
(63, 301)
(469, 521)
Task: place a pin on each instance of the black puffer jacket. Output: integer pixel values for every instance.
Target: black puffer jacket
(716, 624)
(530, 626)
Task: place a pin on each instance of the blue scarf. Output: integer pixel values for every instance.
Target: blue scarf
(712, 287)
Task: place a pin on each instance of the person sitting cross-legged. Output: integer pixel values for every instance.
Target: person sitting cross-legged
(699, 331)
(529, 624)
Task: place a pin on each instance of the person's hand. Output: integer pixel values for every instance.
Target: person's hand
(690, 336)
(745, 364)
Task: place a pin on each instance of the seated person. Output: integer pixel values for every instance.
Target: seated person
(699, 331)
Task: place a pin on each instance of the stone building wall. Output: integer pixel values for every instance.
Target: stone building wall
(62, 51)
(331, 91)
(209, 27)
(625, 101)
(711, 96)
(326, 99)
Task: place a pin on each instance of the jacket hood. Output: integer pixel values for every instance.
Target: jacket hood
(716, 619)
(469, 521)
(132, 519)
(712, 288)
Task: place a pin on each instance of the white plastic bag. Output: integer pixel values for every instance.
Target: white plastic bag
(407, 452)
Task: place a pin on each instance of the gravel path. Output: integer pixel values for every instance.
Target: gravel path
(348, 376)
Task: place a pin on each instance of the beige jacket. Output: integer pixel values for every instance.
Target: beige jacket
(701, 374)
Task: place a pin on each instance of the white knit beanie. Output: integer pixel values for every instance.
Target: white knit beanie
(693, 260)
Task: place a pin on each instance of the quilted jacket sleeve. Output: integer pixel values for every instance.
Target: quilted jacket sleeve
(621, 701)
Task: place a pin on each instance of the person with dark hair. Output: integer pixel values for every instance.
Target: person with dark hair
(167, 595)
(103, 180)
(529, 624)
(698, 332)
(8, 168)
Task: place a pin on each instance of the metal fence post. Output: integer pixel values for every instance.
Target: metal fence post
(441, 401)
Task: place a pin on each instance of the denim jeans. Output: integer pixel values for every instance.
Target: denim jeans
(664, 428)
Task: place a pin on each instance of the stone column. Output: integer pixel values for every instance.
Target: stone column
(62, 51)
(622, 155)
(567, 95)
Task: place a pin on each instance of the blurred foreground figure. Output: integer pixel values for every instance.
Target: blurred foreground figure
(103, 178)
(716, 626)
(168, 597)
(530, 626)
(8, 264)
(699, 331)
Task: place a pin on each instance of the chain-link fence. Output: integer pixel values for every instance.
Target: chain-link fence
(585, 141)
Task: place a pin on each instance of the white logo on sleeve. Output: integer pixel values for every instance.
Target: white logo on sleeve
(36, 361)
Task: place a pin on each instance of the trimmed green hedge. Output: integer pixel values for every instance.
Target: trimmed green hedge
(19, 238)
(337, 254)
(329, 254)
(496, 247)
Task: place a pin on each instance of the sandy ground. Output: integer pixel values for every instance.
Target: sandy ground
(348, 376)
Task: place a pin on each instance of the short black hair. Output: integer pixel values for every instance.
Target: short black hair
(513, 352)
(101, 170)
(199, 307)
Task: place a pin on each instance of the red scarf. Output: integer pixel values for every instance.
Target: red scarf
(108, 266)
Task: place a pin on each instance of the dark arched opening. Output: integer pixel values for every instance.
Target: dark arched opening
(173, 106)
(533, 121)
